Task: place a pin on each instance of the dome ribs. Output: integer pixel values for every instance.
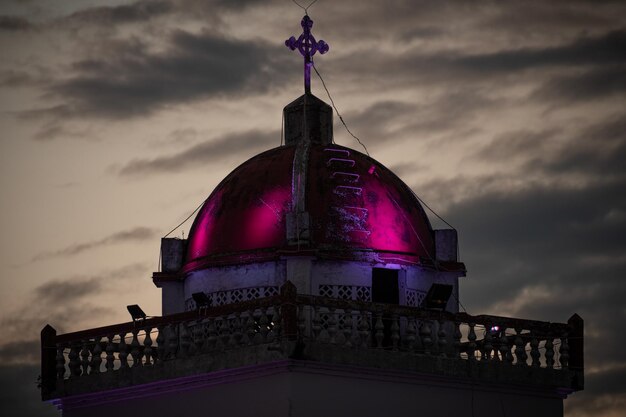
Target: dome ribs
(348, 214)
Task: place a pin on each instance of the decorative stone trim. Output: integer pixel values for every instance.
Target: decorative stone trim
(219, 298)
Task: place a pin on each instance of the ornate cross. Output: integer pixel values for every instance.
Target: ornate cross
(308, 46)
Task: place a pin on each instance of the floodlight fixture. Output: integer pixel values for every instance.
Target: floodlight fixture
(201, 300)
(136, 312)
(438, 296)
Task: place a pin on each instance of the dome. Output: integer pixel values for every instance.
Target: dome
(353, 206)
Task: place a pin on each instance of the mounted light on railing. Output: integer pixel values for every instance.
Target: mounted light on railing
(201, 300)
(136, 312)
(438, 296)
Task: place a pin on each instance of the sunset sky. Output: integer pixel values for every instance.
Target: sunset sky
(118, 118)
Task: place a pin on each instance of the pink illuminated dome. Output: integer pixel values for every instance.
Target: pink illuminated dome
(317, 199)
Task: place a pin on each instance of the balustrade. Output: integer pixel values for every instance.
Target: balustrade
(351, 325)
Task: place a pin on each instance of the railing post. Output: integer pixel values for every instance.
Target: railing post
(48, 361)
(577, 348)
(289, 313)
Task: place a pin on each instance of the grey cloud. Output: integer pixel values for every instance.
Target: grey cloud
(598, 150)
(65, 303)
(132, 81)
(595, 151)
(458, 68)
(110, 15)
(393, 120)
(510, 145)
(60, 291)
(203, 153)
(138, 234)
(545, 253)
(548, 253)
(14, 23)
(593, 84)
(606, 49)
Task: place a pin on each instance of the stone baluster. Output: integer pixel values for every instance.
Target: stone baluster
(347, 328)
(457, 339)
(185, 341)
(534, 351)
(264, 325)
(84, 355)
(442, 340)
(224, 333)
(426, 336)
(364, 330)
(250, 327)
(172, 341)
(135, 351)
(110, 353)
(316, 326)
(564, 351)
(161, 348)
(96, 356)
(549, 353)
(505, 349)
(301, 322)
(379, 335)
(271, 336)
(192, 332)
(395, 332)
(471, 345)
(276, 326)
(147, 348)
(237, 333)
(60, 362)
(332, 325)
(410, 334)
(198, 337)
(212, 340)
(123, 351)
(487, 343)
(74, 361)
(520, 348)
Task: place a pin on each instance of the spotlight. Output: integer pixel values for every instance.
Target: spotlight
(438, 296)
(136, 312)
(201, 300)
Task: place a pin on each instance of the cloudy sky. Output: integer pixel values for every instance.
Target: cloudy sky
(118, 118)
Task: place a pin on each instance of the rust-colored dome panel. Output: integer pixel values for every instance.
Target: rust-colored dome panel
(355, 205)
(246, 211)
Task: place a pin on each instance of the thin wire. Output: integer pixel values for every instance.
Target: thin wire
(184, 221)
(306, 9)
(458, 249)
(337, 111)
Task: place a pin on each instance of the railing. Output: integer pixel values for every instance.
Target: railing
(313, 321)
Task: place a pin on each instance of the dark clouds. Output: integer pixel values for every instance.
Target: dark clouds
(135, 12)
(203, 154)
(547, 253)
(555, 247)
(592, 84)
(605, 49)
(14, 23)
(131, 80)
(65, 303)
(138, 234)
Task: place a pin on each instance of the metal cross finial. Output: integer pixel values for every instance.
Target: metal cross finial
(308, 46)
